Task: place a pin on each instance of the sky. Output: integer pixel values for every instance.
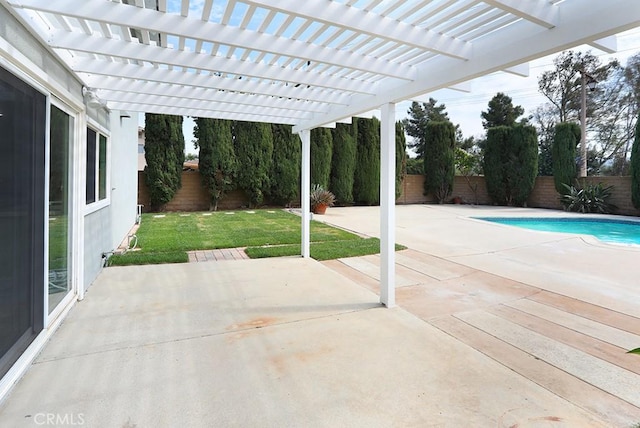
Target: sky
(465, 108)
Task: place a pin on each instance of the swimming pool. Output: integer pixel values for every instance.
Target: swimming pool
(607, 230)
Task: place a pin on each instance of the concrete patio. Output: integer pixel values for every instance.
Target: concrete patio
(495, 326)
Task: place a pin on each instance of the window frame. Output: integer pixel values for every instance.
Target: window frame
(98, 204)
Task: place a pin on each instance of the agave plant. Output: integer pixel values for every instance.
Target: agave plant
(593, 198)
(320, 196)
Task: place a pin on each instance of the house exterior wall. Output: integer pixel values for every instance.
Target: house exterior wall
(124, 177)
(93, 230)
(97, 233)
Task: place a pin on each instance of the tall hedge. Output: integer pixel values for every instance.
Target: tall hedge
(343, 163)
(635, 167)
(321, 150)
(254, 151)
(164, 154)
(565, 140)
(216, 159)
(511, 163)
(401, 157)
(366, 181)
(285, 167)
(439, 165)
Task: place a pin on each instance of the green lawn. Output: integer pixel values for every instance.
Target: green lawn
(165, 238)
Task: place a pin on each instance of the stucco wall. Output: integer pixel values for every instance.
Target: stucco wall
(124, 175)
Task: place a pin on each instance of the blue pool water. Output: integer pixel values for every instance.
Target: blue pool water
(616, 231)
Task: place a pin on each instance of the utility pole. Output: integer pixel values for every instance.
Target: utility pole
(585, 80)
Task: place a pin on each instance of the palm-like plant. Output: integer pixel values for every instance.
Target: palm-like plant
(320, 196)
(593, 198)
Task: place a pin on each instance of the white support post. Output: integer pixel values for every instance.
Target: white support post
(388, 205)
(305, 202)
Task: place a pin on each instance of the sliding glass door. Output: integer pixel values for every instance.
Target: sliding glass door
(22, 185)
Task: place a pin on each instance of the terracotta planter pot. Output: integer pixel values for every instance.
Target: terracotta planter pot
(320, 209)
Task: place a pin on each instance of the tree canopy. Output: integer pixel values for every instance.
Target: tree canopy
(611, 108)
(415, 125)
(217, 160)
(164, 154)
(501, 112)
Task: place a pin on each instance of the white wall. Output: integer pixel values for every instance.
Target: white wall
(124, 174)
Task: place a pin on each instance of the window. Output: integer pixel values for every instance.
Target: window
(96, 167)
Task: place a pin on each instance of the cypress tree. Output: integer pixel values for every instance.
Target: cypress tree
(523, 163)
(254, 152)
(565, 140)
(164, 154)
(511, 163)
(401, 157)
(496, 154)
(285, 167)
(366, 183)
(321, 149)
(343, 163)
(439, 165)
(635, 167)
(217, 161)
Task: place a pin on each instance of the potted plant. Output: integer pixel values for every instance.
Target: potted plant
(321, 199)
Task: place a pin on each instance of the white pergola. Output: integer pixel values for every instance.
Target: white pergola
(309, 63)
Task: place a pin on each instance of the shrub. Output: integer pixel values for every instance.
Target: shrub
(217, 161)
(415, 166)
(565, 141)
(401, 157)
(366, 182)
(343, 163)
(254, 150)
(511, 163)
(164, 153)
(593, 198)
(285, 167)
(439, 165)
(321, 148)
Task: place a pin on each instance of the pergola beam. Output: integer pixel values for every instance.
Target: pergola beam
(140, 90)
(540, 12)
(518, 43)
(149, 20)
(361, 21)
(190, 60)
(178, 111)
(118, 76)
(202, 105)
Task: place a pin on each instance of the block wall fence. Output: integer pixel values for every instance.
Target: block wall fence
(193, 197)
